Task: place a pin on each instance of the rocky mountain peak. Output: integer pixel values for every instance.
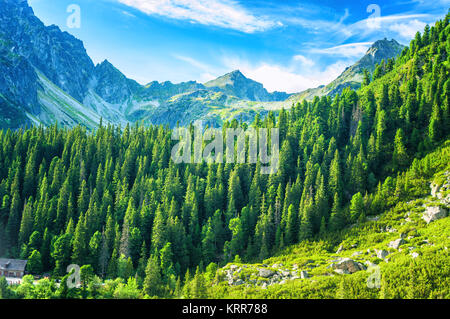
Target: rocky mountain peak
(383, 50)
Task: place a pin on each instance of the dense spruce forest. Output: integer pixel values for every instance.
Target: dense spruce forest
(113, 202)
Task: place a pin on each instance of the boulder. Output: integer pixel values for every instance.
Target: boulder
(348, 265)
(265, 273)
(382, 254)
(434, 213)
(397, 243)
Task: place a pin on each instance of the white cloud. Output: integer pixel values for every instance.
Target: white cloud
(304, 60)
(290, 79)
(409, 29)
(222, 13)
(346, 50)
(395, 23)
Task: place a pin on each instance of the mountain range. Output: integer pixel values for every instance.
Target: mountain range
(47, 77)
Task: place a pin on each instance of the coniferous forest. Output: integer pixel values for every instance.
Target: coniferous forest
(113, 202)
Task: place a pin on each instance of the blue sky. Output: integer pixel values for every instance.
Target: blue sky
(288, 45)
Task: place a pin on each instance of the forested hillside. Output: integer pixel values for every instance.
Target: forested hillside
(114, 200)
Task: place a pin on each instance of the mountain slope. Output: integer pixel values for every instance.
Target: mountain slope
(58, 55)
(352, 77)
(398, 248)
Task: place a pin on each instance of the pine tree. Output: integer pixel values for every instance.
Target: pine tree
(152, 281)
(292, 226)
(26, 225)
(199, 290)
(335, 179)
(356, 207)
(337, 219)
(80, 249)
(400, 157)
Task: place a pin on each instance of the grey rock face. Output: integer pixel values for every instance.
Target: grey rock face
(18, 83)
(60, 56)
(111, 85)
(434, 213)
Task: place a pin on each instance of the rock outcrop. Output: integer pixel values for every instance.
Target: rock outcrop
(347, 266)
(434, 213)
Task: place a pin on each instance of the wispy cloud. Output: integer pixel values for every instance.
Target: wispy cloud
(345, 50)
(227, 14)
(207, 71)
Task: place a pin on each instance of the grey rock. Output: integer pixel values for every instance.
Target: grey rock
(265, 273)
(434, 189)
(382, 254)
(434, 213)
(396, 243)
(348, 265)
